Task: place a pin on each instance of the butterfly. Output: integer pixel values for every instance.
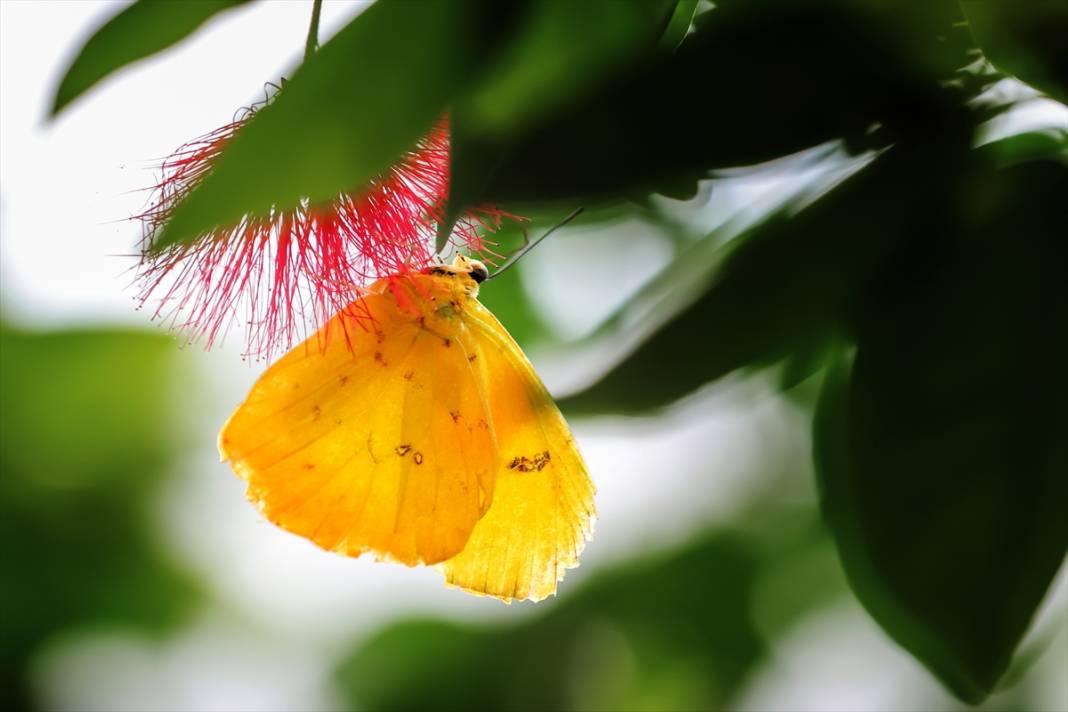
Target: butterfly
(413, 427)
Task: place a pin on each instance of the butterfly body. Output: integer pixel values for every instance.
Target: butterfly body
(413, 427)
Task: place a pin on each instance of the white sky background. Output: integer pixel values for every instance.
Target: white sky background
(65, 191)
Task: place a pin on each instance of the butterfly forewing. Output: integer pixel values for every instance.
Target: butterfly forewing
(370, 442)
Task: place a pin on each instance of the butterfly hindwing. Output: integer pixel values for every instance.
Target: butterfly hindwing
(543, 512)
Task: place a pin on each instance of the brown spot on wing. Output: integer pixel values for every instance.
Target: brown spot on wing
(522, 463)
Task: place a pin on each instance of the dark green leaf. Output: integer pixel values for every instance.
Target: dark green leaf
(941, 455)
(472, 163)
(365, 97)
(1051, 144)
(1025, 39)
(786, 288)
(140, 30)
(562, 48)
(756, 81)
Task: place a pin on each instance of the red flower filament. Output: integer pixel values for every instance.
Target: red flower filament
(283, 275)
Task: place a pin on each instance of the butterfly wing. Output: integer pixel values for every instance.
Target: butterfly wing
(543, 511)
(378, 441)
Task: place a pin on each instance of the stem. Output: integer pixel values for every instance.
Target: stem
(313, 31)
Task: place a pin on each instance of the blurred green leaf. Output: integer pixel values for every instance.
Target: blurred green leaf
(115, 429)
(941, 454)
(1026, 39)
(365, 97)
(676, 626)
(786, 288)
(562, 48)
(138, 31)
(83, 447)
(757, 80)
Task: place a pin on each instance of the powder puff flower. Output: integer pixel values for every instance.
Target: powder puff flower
(283, 275)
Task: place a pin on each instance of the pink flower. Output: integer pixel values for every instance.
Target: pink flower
(284, 275)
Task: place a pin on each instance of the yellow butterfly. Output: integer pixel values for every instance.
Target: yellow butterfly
(426, 438)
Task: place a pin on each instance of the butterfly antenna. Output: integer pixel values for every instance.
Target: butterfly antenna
(528, 245)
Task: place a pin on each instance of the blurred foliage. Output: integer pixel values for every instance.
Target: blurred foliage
(673, 630)
(82, 451)
(507, 298)
(940, 266)
(1025, 39)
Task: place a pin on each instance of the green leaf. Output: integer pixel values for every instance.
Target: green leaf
(562, 48)
(1025, 39)
(941, 453)
(365, 97)
(141, 30)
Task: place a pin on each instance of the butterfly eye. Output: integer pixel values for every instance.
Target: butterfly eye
(479, 273)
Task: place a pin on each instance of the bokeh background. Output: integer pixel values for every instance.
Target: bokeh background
(136, 576)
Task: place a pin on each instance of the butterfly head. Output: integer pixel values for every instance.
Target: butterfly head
(473, 268)
(463, 266)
